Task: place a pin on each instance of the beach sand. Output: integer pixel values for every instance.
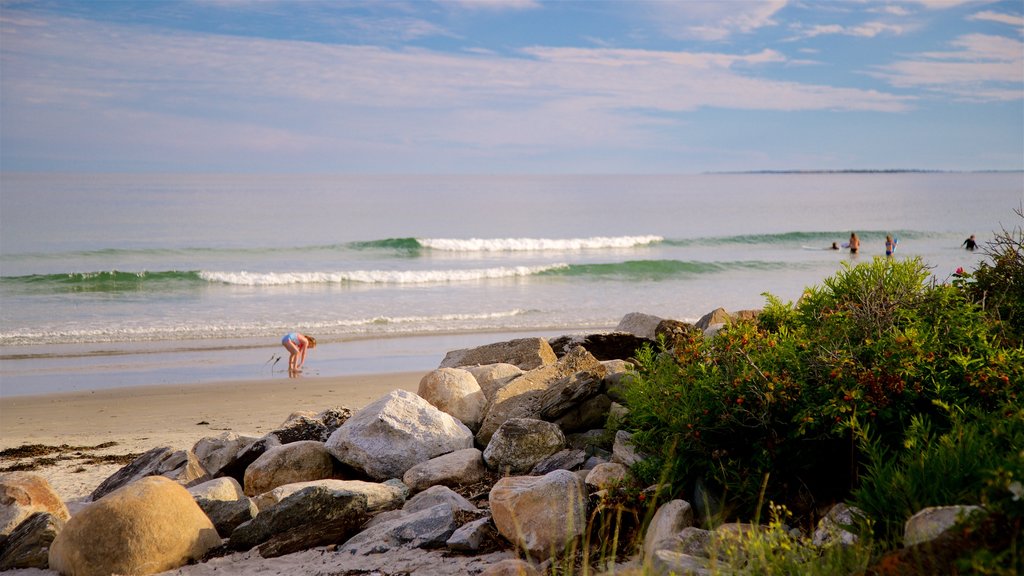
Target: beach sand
(140, 418)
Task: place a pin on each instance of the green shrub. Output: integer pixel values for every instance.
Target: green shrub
(878, 346)
(998, 283)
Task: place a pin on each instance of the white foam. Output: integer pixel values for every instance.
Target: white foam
(535, 244)
(374, 276)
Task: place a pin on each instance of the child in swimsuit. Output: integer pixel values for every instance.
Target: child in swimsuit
(854, 243)
(890, 245)
(296, 344)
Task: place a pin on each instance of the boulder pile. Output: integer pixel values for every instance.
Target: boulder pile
(504, 448)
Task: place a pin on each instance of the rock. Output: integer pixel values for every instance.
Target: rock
(471, 536)
(931, 522)
(607, 475)
(639, 324)
(438, 495)
(379, 496)
(391, 435)
(148, 526)
(22, 494)
(180, 465)
(667, 562)
(492, 377)
(716, 316)
(591, 440)
(561, 460)
(610, 346)
(511, 567)
(839, 525)
(236, 466)
(301, 461)
(526, 353)
(427, 528)
(591, 413)
(224, 503)
(675, 332)
(564, 394)
(540, 514)
(521, 397)
(216, 452)
(520, 443)
(313, 516)
(623, 451)
(713, 330)
(300, 428)
(616, 378)
(456, 392)
(693, 541)
(453, 469)
(28, 546)
(663, 531)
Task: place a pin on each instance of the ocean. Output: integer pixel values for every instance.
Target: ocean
(139, 279)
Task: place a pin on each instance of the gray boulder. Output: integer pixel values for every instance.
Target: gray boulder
(639, 324)
(471, 536)
(541, 515)
(427, 528)
(520, 443)
(838, 526)
(179, 465)
(391, 435)
(663, 531)
(379, 496)
(521, 397)
(931, 522)
(492, 377)
(453, 469)
(224, 502)
(438, 495)
(526, 353)
(568, 459)
(313, 516)
(28, 546)
(216, 452)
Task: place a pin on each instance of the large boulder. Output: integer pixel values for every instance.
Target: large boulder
(492, 377)
(180, 465)
(379, 496)
(29, 545)
(542, 515)
(663, 531)
(639, 324)
(456, 392)
(427, 528)
(519, 444)
(603, 346)
(395, 433)
(148, 526)
(224, 502)
(301, 461)
(526, 353)
(930, 523)
(22, 494)
(587, 415)
(314, 516)
(453, 469)
(521, 398)
(607, 475)
(216, 452)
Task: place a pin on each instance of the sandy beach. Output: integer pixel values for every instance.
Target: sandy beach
(137, 419)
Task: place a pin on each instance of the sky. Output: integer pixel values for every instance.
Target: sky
(510, 86)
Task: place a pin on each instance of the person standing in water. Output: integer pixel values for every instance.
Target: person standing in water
(854, 243)
(890, 244)
(971, 244)
(296, 344)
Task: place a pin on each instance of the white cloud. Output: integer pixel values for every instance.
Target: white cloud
(493, 5)
(866, 30)
(980, 68)
(712, 20)
(201, 93)
(988, 15)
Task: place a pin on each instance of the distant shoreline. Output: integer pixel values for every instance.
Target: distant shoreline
(867, 171)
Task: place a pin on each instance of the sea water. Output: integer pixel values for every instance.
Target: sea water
(141, 279)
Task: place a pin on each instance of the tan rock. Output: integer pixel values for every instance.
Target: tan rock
(542, 515)
(22, 494)
(148, 526)
(296, 462)
(456, 392)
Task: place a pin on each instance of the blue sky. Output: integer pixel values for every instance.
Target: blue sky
(510, 86)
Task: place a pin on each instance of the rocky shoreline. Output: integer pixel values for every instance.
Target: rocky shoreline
(501, 463)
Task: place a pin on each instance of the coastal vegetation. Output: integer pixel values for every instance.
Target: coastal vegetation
(883, 387)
